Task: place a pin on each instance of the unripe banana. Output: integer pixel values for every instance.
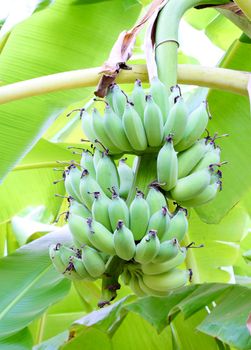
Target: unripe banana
(149, 291)
(108, 97)
(167, 281)
(126, 177)
(153, 122)
(107, 174)
(72, 181)
(80, 268)
(67, 269)
(79, 209)
(97, 155)
(159, 221)
(160, 96)
(118, 210)
(66, 253)
(155, 269)
(196, 125)
(87, 128)
(155, 199)
(86, 162)
(190, 186)
(93, 262)
(176, 121)
(167, 250)
(189, 158)
(134, 128)
(100, 209)
(87, 186)
(178, 226)
(100, 237)
(124, 242)
(126, 276)
(79, 228)
(139, 99)
(101, 135)
(135, 287)
(114, 128)
(147, 248)
(139, 216)
(212, 156)
(204, 197)
(167, 165)
(118, 100)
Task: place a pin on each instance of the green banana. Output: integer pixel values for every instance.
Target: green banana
(190, 186)
(79, 209)
(147, 248)
(167, 281)
(139, 99)
(107, 174)
(167, 250)
(176, 121)
(124, 242)
(118, 100)
(72, 181)
(67, 269)
(196, 125)
(212, 156)
(153, 123)
(114, 128)
(155, 199)
(87, 186)
(189, 158)
(87, 127)
(178, 226)
(101, 135)
(167, 165)
(126, 276)
(80, 268)
(205, 196)
(97, 155)
(160, 96)
(155, 269)
(118, 210)
(139, 216)
(159, 221)
(86, 162)
(108, 97)
(100, 209)
(100, 237)
(134, 128)
(66, 253)
(149, 291)
(135, 287)
(93, 262)
(79, 228)
(126, 177)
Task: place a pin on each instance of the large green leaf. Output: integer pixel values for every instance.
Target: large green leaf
(53, 40)
(21, 340)
(31, 184)
(184, 310)
(231, 114)
(31, 284)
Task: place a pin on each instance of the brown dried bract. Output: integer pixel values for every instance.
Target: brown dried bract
(122, 50)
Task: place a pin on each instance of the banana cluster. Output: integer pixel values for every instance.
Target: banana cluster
(144, 234)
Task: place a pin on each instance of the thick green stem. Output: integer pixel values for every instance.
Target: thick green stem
(145, 174)
(110, 283)
(167, 41)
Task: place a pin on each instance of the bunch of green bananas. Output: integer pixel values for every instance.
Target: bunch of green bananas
(186, 165)
(143, 233)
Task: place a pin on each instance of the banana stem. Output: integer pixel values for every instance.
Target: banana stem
(145, 174)
(110, 283)
(167, 41)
